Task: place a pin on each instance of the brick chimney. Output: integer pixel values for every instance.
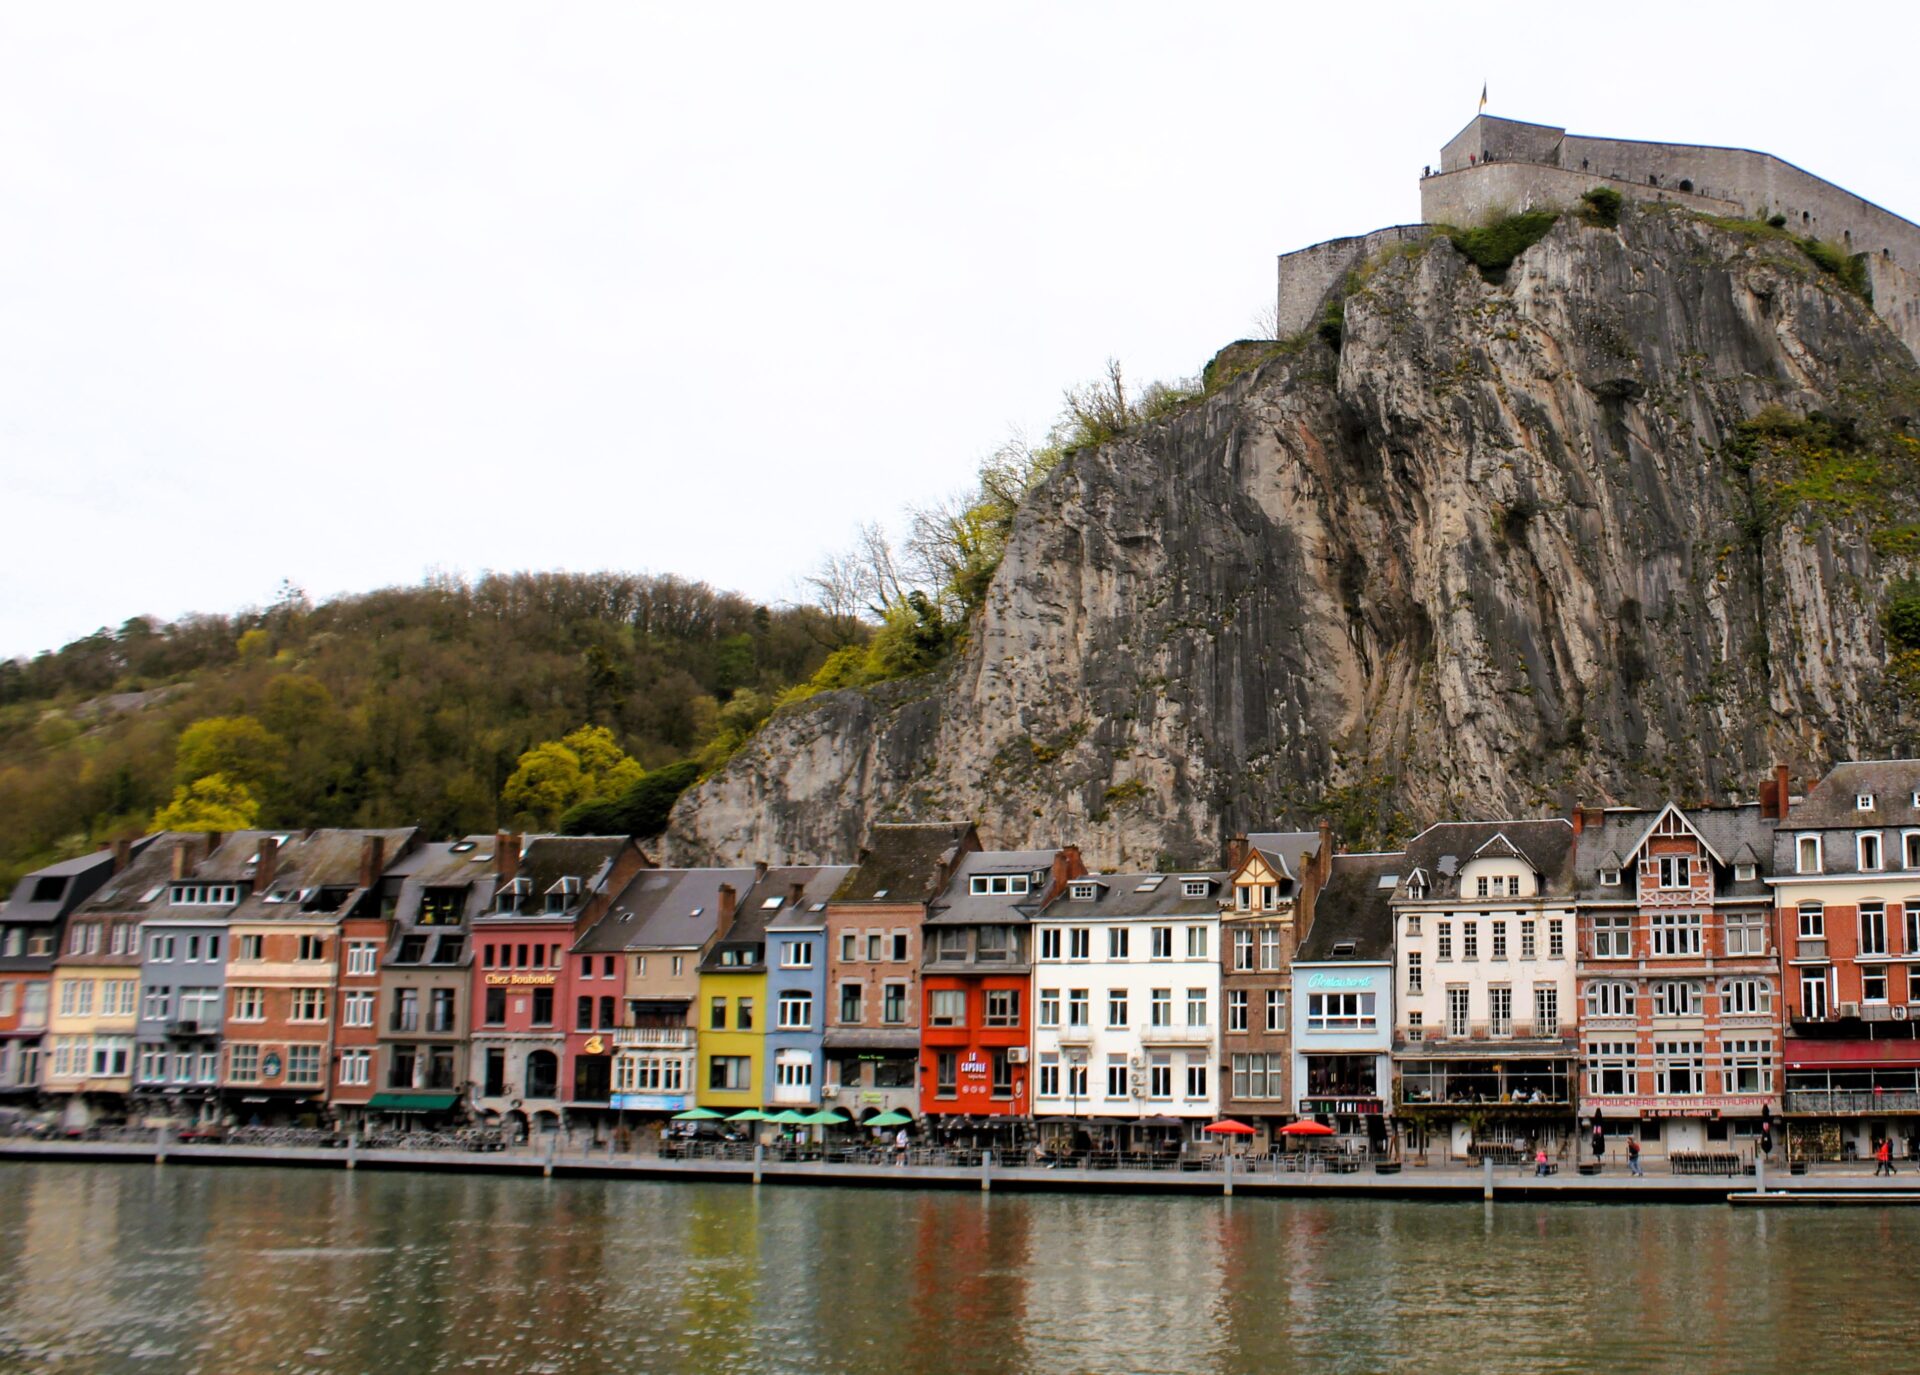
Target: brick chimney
(1067, 866)
(183, 859)
(122, 854)
(373, 859)
(1776, 794)
(506, 856)
(1324, 858)
(1236, 852)
(728, 898)
(796, 893)
(268, 865)
(213, 841)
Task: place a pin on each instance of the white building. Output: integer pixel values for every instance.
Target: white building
(1126, 982)
(1485, 945)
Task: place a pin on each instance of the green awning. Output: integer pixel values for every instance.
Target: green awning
(788, 1118)
(413, 1102)
(827, 1117)
(699, 1115)
(895, 1118)
(749, 1115)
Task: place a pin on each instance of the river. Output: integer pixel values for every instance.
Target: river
(115, 1267)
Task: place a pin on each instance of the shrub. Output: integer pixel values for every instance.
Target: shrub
(1602, 207)
(1493, 247)
(1333, 322)
(1777, 221)
(1903, 616)
(639, 811)
(1849, 269)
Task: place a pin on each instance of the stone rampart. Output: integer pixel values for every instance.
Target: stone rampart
(1307, 275)
(1472, 195)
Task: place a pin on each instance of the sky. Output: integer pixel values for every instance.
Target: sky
(347, 295)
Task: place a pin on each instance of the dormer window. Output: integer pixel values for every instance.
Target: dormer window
(998, 885)
(1676, 871)
(1808, 854)
(1863, 802)
(1745, 873)
(561, 895)
(508, 898)
(1084, 892)
(1343, 950)
(1195, 887)
(1869, 842)
(1416, 888)
(1243, 896)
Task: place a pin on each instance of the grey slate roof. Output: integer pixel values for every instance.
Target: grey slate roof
(665, 909)
(466, 864)
(1612, 843)
(1282, 849)
(901, 863)
(1830, 802)
(1439, 851)
(1355, 908)
(141, 888)
(1121, 895)
(315, 860)
(959, 906)
(817, 883)
(545, 860)
(35, 900)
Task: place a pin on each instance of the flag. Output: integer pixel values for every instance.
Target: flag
(1483, 97)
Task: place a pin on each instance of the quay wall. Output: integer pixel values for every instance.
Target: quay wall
(1309, 274)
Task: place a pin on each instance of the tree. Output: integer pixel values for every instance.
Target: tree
(213, 803)
(556, 775)
(236, 747)
(641, 810)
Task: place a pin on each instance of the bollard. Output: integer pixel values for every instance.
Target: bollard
(160, 1145)
(986, 1172)
(1486, 1176)
(759, 1159)
(553, 1145)
(1228, 1186)
(353, 1150)
(1760, 1174)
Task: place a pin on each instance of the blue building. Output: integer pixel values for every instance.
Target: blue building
(796, 901)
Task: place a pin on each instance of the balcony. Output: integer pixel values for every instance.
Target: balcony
(654, 1037)
(1467, 1034)
(1176, 1035)
(185, 1028)
(1852, 1102)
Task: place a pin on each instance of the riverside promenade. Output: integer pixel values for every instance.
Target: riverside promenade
(1838, 1184)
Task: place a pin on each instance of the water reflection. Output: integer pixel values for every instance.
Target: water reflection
(118, 1268)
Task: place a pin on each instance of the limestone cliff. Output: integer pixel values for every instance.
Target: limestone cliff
(1514, 543)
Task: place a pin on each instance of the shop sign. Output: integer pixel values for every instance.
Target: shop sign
(596, 1045)
(1702, 1105)
(1339, 981)
(519, 980)
(650, 1102)
(1342, 1107)
(270, 1065)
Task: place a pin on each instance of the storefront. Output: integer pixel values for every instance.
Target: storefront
(1843, 1097)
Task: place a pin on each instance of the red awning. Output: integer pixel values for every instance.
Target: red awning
(1844, 1054)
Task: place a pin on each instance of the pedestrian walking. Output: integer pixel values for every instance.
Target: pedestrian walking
(900, 1146)
(1633, 1158)
(1883, 1157)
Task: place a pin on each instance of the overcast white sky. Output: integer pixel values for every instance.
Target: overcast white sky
(347, 293)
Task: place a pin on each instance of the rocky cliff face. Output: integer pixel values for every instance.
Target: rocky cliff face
(1513, 544)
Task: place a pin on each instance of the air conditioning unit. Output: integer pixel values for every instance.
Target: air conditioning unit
(1016, 1055)
(829, 1092)
(1899, 1012)
(1849, 1009)
(1877, 1012)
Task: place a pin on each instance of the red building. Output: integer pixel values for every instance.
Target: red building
(976, 994)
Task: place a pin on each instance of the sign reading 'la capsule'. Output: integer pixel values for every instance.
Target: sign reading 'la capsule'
(519, 980)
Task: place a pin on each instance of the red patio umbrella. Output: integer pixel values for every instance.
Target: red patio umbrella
(1229, 1127)
(1307, 1127)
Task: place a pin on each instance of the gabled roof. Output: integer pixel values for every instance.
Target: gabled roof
(465, 864)
(1544, 844)
(1355, 908)
(665, 909)
(76, 880)
(1138, 895)
(959, 905)
(903, 863)
(1640, 843)
(1282, 849)
(545, 861)
(816, 884)
(1728, 835)
(1831, 802)
(326, 859)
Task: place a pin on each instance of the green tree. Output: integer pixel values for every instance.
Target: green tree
(213, 803)
(554, 776)
(235, 747)
(639, 811)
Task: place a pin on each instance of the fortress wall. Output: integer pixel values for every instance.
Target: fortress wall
(1306, 276)
(1471, 195)
(1896, 299)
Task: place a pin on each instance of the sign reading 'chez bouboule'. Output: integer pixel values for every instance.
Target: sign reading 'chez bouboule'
(519, 980)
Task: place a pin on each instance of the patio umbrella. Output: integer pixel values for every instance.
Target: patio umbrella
(892, 1118)
(1229, 1127)
(788, 1118)
(699, 1115)
(826, 1117)
(749, 1115)
(1306, 1127)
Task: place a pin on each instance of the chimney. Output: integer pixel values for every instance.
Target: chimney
(1067, 866)
(506, 856)
(727, 899)
(268, 865)
(213, 841)
(183, 859)
(797, 893)
(942, 870)
(373, 859)
(122, 854)
(1782, 791)
(1236, 852)
(759, 870)
(1324, 859)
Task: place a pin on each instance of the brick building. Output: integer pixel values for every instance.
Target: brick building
(1274, 877)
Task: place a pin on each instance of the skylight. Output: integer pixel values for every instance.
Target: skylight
(1389, 881)
(1149, 884)
(771, 904)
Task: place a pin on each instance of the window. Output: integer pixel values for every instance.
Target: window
(1194, 888)
(1048, 1076)
(243, 1063)
(1416, 1026)
(1269, 897)
(893, 1003)
(1196, 1079)
(1459, 1011)
(1160, 1007)
(1414, 972)
(1480, 888)
(1745, 873)
(875, 944)
(1079, 943)
(1679, 1067)
(717, 1014)
(362, 956)
(153, 1007)
(1076, 1007)
(249, 1005)
(1340, 1011)
(542, 1007)
(309, 1005)
(543, 1073)
(1610, 998)
(1243, 896)
(1808, 854)
(1049, 1007)
(1910, 848)
(1163, 942)
(1813, 994)
(1556, 941)
(1500, 1010)
(1049, 942)
(852, 1004)
(1443, 939)
(849, 947)
(1746, 933)
(793, 1069)
(1611, 1068)
(356, 1009)
(303, 1065)
(1413, 923)
(1873, 983)
(1258, 1076)
(1873, 928)
(1269, 948)
(452, 948)
(1675, 933)
(1083, 890)
(311, 948)
(729, 1073)
(947, 1007)
(1197, 943)
(153, 1064)
(1077, 1080)
(743, 1015)
(1276, 1009)
(1676, 998)
(1869, 847)
(356, 1067)
(160, 949)
(1160, 1077)
(1117, 942)
(1243, 949)
(1116, 1007)
(997, 885)
(406, 1010)
(1749, 1066)
(1196, 1007)
(1613, 936)
(1499, 940)
(946, 1073)
(1527, 942)
(1546, 1010)
(796, 955)
(1469, 940)
(1813, 921)
(1675, 871)
(1116, 1076)
(1003, 1007)
(253, 949)
(1863, 802)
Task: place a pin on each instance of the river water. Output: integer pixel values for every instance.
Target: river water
(121, 1267)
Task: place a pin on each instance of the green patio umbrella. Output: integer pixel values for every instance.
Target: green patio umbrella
(894, 1118)
(788, 1118)
(826, 1117)
(698, 1115)
(749, 1115)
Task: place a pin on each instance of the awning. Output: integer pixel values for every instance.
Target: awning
(1850, 1054)
(413, 1102)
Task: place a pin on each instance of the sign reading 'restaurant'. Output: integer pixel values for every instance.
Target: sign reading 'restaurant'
(518, 980)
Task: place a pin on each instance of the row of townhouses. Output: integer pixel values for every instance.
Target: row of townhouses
(1682, 973)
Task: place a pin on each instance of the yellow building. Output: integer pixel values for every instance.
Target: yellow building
(732, 1012)
(95, 1012)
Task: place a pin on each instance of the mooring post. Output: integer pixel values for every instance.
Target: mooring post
(1228, 1186)
(986, 1172)
(1486, 1176)
(553, 1145)
(1760, 1173)
(160, 1145)
(353, 1149)
(759, 1159)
